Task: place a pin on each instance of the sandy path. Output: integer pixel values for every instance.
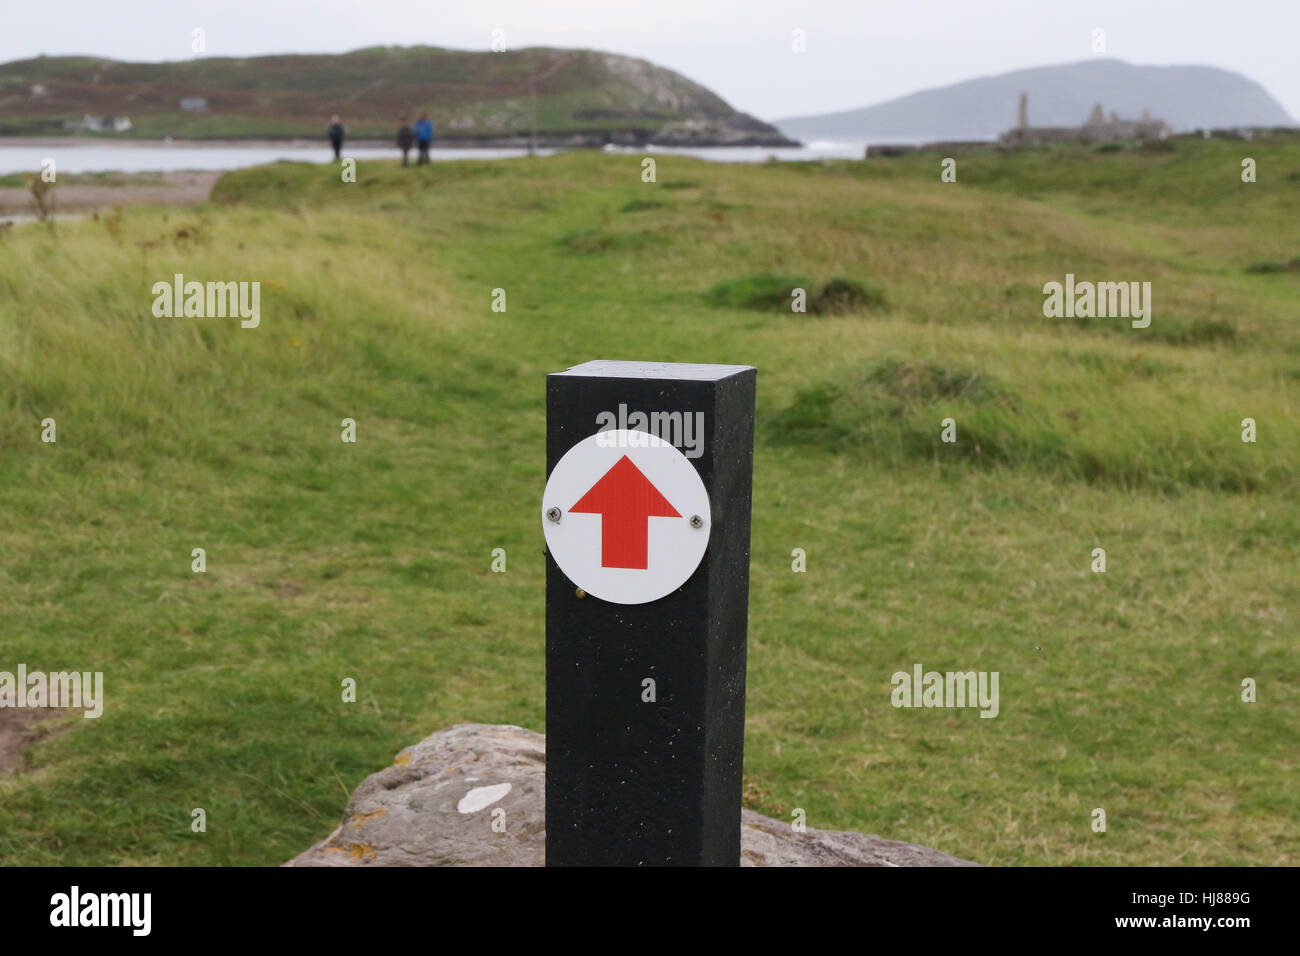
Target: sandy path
(156, 189)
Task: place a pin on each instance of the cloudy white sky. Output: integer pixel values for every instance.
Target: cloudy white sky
(858, 51)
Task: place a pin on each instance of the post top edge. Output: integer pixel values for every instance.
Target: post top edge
(680, 371)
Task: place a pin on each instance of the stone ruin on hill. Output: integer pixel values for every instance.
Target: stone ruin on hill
(1098, 129)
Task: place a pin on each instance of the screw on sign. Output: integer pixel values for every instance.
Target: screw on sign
(658, 545)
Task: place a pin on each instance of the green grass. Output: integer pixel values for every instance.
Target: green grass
(329, 560)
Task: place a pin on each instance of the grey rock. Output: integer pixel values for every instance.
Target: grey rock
(473, 795)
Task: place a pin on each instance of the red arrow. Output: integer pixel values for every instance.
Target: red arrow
(626, 500)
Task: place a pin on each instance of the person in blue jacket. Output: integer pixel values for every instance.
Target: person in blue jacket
(423, 138)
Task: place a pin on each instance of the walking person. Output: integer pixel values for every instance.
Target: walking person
(405, 139)
(423, 138)
(336, 136)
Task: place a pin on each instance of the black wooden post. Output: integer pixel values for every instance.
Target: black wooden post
(631, 781)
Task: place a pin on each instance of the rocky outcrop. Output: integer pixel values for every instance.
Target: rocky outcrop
(473, 795)
(741, 130)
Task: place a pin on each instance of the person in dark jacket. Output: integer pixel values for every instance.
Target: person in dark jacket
(423, 138)
(336, 136)
(405, 139)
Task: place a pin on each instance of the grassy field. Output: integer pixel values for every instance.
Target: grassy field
(1119, 690)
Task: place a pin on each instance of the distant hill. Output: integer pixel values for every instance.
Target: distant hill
(583, 97)
(1186, 97)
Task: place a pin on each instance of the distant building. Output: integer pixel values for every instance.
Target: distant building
(1098, 129)
(37, 90)
(90, 124)
(100, 124)
(194, 104)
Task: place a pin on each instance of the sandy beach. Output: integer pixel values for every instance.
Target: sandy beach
(153, 188)
(102, 142)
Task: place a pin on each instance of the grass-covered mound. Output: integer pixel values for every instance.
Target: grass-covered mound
(775, 293)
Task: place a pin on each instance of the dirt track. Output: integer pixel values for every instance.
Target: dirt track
(157, 189)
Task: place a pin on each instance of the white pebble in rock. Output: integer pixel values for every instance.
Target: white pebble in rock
(481, 797)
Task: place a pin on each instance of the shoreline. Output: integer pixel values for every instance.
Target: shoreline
(577, 140)
(97, 143)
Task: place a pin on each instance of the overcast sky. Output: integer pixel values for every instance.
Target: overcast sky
(859, 52)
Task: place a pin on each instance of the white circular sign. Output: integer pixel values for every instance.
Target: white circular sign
(626, 516)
